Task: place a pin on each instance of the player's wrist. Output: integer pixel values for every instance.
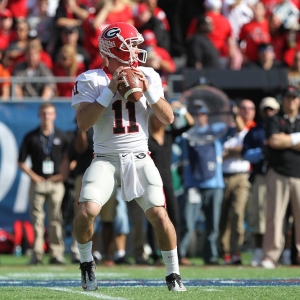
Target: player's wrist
(105, 98)
(151, 96)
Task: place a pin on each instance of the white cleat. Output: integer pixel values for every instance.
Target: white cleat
(88, 277)
(174, 283)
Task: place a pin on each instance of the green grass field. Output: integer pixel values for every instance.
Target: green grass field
(19, 281)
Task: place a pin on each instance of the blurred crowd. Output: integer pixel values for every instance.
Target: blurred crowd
(247, 176)
(42, 38)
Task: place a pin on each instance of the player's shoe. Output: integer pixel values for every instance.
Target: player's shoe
(174, 283)
(88, 277)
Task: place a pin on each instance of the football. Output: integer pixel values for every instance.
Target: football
(132, 87)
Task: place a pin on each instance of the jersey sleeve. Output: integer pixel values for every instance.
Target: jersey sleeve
(23, 152)
(86, 88)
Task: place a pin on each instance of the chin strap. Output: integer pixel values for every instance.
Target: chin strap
(134, 64)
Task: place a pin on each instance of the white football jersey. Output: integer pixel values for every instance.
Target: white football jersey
(123, 127)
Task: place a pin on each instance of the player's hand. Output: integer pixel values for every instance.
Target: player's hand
(116, 80)
(142, 77)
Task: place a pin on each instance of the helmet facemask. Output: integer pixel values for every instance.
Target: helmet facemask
(129, 45)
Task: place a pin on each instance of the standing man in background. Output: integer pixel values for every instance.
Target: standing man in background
(283, 176)
(235, 172)
(47, 147)
(203, 182)
(253, 151)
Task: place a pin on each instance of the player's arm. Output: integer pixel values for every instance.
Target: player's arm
(161, 108)
(89, 112)
(81, 141)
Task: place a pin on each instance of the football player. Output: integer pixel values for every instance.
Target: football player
(121, 156)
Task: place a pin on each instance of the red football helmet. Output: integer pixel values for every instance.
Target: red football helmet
(119, 41)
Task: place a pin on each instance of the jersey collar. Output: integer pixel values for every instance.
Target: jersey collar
(108, 74)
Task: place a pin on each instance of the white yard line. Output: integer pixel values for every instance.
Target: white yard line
(95, 294)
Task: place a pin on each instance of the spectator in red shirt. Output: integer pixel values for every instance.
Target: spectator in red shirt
(221, 34)
(254, 33)
(119, 12)
(279, 37)
(18, 8)
(67, 66)
(293, 45)
(238, 13)
(6, 24)
(45, 57)
(201, 53)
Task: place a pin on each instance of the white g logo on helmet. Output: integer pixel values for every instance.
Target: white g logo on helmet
(111, 33)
